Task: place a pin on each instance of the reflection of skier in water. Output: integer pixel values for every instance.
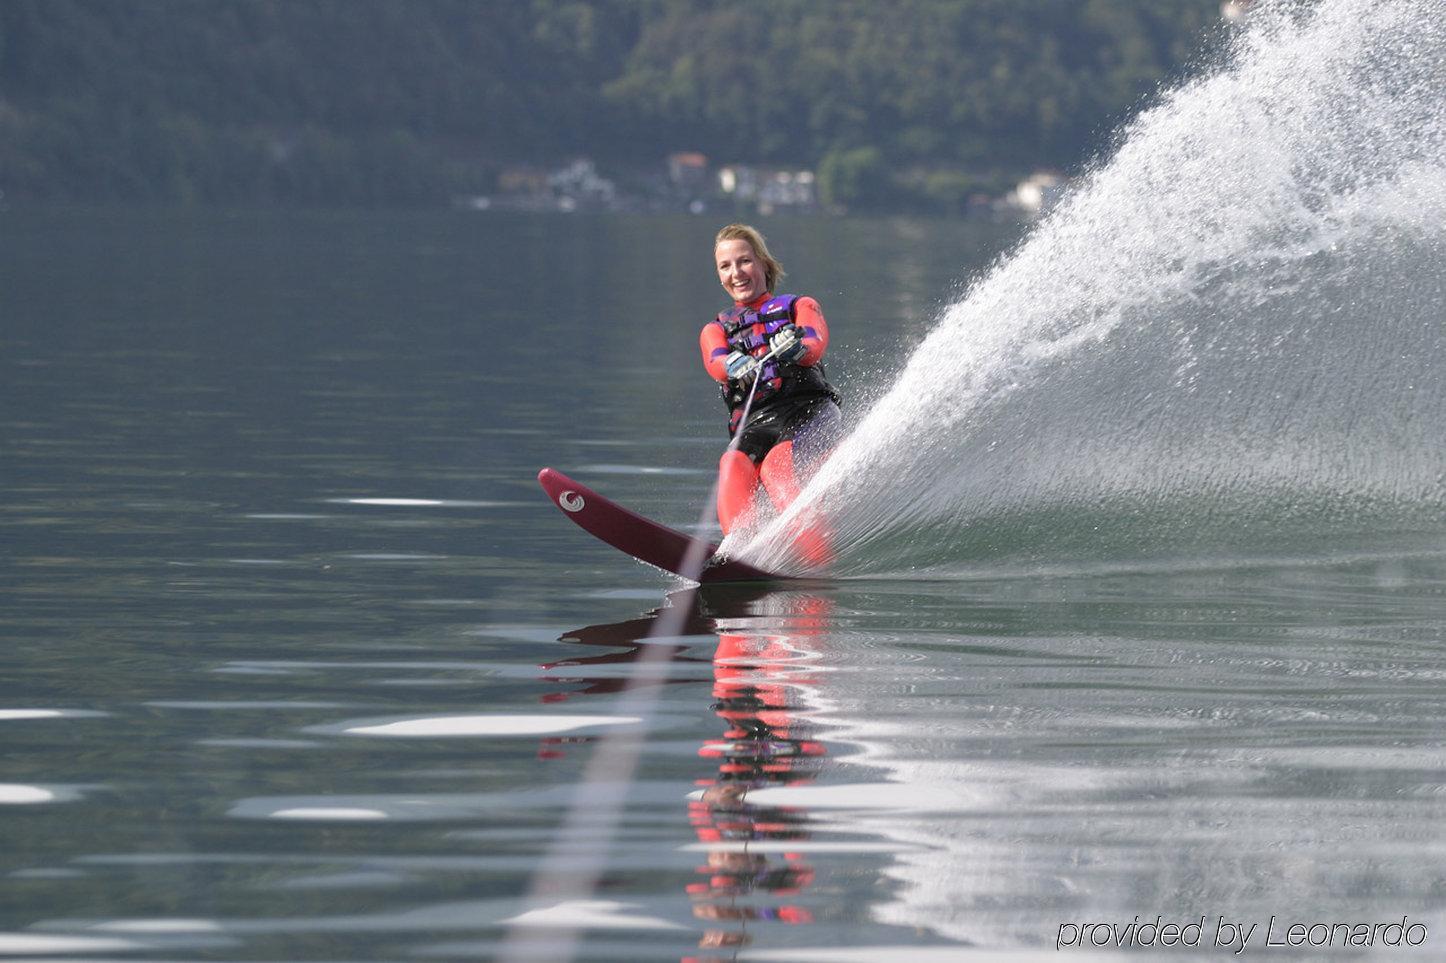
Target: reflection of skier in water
(752, 872)
(755, 683)
(794, 417)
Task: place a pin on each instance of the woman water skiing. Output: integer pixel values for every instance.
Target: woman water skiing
(794, 418)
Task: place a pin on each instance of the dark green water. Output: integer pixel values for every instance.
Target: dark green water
(299, 663)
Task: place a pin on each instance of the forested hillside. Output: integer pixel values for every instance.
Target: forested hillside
(392, 102)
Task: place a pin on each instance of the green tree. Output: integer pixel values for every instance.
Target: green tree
(374, 101)
(852, 178)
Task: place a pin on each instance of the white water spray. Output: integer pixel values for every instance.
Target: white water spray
(1227, 341)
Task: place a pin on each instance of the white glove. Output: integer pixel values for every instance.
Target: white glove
(785, 344)
(741, 367)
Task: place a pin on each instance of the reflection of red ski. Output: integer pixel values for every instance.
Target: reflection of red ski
(640, 537)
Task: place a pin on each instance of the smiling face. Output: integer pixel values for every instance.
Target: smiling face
(741, 272)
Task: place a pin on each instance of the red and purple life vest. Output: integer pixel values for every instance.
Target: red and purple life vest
(748, 330)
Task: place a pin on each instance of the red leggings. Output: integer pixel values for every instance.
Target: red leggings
(738, 479)
(782, 476)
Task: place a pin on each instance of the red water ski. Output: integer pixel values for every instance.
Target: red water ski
(640, 537)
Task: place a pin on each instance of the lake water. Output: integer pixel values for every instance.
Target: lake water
(300, 664)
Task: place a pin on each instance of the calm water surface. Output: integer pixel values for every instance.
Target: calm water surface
(300, 664)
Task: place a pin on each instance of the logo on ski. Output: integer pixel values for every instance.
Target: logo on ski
(571, 501)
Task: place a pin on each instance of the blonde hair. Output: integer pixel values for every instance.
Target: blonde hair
(772, 269)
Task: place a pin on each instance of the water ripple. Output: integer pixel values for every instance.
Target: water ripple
(465, 726)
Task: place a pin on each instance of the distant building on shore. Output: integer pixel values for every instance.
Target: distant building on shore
(686, 181)
(572, 187)
(769, 190)
(689, 186)
(688, 171)
(579, 185)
